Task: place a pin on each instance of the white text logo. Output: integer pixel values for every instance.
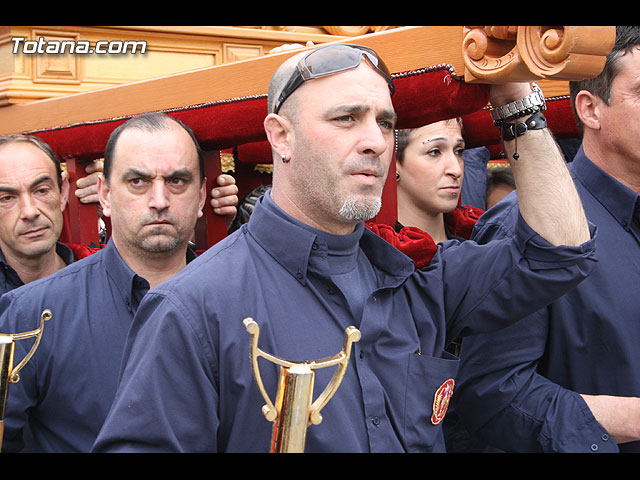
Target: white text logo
(52, 47)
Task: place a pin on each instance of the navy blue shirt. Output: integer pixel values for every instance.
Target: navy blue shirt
(474, 184)
(519, 388)
(188, 384)
(9, 279)
(67, 387)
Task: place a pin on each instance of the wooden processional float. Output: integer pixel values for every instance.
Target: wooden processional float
(440, 72)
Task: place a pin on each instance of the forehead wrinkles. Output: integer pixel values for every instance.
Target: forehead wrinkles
(19, 163)
(359, 86)
(163, 150)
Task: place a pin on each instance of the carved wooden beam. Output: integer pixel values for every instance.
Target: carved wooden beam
(434, 67)
(493, 54)
(477, 54)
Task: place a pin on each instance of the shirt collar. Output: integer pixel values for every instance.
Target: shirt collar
(132, 286)
(618, 199)
(65, 253)
(291, 243)
(14, 281)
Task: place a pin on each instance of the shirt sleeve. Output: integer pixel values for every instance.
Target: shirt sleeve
(474, 186)
(163, 326)
(488, 287)
(502, 399)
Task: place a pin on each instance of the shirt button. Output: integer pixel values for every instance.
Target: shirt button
(594, 447)
(375, 421)
(314, 246)
(605, 437)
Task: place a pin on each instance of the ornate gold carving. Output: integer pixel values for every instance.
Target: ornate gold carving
(383, 28)
(347, 31)
(492, 164)
(227, 162)
(354, 31)
(264, 168)
(522, 53)
(343, 31)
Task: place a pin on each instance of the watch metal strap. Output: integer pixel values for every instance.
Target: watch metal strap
(532, 103)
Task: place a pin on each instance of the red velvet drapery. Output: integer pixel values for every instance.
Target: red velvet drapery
(422, 97)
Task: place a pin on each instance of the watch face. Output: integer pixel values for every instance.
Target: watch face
(541, 100)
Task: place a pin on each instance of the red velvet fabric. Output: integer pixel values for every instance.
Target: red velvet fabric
(462, 219)
(413, 242)
(430, 96)
(82, 251)
(419, 245)
(421, 98)
(217, 126)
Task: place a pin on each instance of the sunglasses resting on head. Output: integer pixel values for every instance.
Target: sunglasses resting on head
(329, 60)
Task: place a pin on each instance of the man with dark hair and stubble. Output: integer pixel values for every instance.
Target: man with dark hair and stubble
(153, 191)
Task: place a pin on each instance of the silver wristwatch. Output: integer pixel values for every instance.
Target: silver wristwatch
(532, 103)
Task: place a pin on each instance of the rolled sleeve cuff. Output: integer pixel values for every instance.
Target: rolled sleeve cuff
(541, 255)
(586, 436)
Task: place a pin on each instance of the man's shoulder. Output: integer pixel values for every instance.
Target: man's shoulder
(217, 266)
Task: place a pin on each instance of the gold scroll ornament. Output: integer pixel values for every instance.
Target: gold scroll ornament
(8, 374)
(294, 410)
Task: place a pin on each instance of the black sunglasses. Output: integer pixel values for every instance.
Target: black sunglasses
(329, 60)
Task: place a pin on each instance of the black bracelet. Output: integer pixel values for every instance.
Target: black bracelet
(534, 122)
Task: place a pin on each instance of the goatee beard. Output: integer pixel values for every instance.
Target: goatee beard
(359, 210)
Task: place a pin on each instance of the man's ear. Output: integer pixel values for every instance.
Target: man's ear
(202, 197)
(64, 191)
(279, 133)
(589, 109)
(104, 196)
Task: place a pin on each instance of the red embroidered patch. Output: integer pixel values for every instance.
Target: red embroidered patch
(441, 401)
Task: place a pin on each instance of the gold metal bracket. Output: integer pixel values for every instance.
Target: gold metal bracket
(9, 374)
(13, 373)
(293, 410)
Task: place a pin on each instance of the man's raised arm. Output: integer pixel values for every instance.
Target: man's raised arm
(547, 197)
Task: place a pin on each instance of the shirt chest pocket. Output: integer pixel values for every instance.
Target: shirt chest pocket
(429, 389)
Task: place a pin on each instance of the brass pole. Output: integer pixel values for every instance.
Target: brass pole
(293, 403)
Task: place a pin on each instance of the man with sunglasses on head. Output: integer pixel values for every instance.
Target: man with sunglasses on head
(305, 268)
